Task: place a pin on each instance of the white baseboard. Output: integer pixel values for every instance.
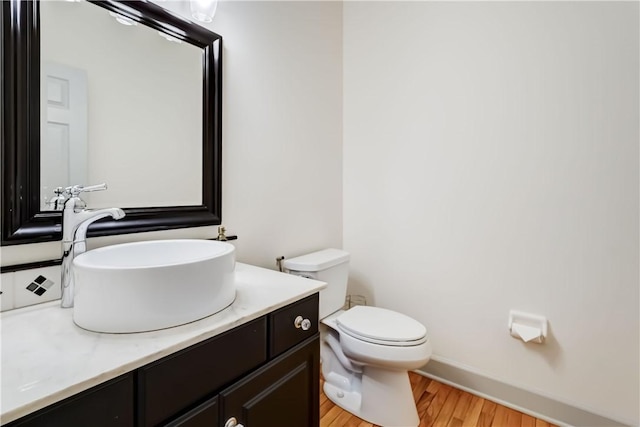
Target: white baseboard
(528, 402)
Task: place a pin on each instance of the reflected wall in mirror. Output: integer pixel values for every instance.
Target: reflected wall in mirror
(98, 122)
(148, 119)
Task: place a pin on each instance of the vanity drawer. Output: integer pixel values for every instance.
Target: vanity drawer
(106, 405)
(178, 381)
(283, 333)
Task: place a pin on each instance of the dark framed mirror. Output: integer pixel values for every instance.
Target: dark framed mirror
(23, 218)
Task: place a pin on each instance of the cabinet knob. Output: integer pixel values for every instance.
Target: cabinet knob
(232, 422)
(300, 323)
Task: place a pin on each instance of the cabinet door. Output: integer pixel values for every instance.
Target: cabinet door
(204, 415)
(107, 405)
(283, 392)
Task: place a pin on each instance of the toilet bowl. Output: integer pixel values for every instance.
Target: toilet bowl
(366, 352)
(383, 337)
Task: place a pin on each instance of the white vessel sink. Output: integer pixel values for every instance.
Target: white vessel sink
(144, 286)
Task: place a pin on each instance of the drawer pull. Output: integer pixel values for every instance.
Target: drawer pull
(232, 422)
(300, 323)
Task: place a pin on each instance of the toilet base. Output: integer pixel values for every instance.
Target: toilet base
(347, 400)
(378, 396)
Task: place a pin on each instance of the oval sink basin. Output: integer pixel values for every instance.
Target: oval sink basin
(144, 286)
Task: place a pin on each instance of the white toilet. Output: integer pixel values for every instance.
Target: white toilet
(365, 351)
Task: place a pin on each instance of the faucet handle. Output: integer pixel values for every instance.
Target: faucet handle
(75, 190)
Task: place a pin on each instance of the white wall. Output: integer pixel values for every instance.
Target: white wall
(491, 163)
(282, 132)
(282, 160)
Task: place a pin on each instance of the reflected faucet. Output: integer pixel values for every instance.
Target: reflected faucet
(56, 203)
(75, 222)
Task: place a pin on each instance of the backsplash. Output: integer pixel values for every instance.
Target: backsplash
(29, 287)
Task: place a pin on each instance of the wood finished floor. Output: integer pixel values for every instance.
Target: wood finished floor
(438, 405)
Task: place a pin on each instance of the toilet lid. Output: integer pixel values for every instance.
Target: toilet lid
(381, 326)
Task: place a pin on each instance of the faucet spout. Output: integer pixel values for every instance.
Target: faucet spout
(75, 223)
(83, 219)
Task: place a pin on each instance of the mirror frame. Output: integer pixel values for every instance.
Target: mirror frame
(22, 220)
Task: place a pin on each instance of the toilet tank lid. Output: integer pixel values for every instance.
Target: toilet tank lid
(316, 261)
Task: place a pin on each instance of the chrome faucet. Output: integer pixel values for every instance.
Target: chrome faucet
(75, 222)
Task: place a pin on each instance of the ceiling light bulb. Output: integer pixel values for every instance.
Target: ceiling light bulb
(123, 19)
(169, 38)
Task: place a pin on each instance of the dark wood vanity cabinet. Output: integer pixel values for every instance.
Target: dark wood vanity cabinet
(283, 391)
(264, 373)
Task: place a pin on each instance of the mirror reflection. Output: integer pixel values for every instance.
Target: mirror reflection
(120, 104)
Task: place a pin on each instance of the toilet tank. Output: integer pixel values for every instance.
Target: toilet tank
(328, 265)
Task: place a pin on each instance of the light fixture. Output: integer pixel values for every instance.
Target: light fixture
(123, 19)
(203, 10)
(169, 38)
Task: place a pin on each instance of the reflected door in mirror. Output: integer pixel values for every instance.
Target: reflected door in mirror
(63, 150)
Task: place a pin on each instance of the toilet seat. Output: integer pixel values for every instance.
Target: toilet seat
(381, 326)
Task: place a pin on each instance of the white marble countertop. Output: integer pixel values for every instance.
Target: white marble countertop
(46, 358)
